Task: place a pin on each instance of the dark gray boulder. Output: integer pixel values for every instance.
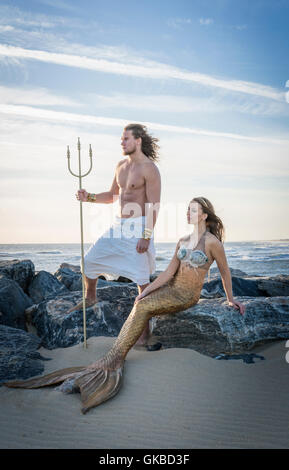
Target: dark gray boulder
(58, 329)
(273, 286)
(21, 272)
(45, 286)
(249, 286)
(212, 327)
(70, 276)
(72, 280)
(19, 358)
(13, 302)
(214, 272)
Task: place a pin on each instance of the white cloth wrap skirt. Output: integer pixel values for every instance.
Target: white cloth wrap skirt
(114, 253)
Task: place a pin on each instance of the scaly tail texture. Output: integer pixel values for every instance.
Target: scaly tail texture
(102, 380)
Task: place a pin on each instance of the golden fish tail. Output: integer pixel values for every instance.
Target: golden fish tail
(101, 380)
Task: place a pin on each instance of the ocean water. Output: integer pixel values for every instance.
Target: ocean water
(266, 258)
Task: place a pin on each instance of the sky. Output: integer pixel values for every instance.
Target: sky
(209, 78)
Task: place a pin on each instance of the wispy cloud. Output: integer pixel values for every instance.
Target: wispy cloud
(240, 27)
(206, 21)
(59, 4)
(178, 23)
(33, 97)
(16, 17)
(157, 103)
(37, 113)
(216, 104)
(149, 69)
(5, 28)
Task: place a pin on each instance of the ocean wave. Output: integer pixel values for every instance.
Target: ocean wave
(55, 252)
(15, 253)
(273, 262)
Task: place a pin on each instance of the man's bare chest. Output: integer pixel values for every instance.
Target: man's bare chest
(130, 179)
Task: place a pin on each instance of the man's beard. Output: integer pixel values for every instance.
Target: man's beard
(128, 152)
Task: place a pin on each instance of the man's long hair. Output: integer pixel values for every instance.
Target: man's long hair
(149, 144)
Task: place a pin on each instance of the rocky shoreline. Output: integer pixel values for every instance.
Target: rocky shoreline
(38, 302)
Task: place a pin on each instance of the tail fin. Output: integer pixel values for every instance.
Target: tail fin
(96, 385)
(45, 380)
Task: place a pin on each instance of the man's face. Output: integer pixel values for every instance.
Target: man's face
(128, 143)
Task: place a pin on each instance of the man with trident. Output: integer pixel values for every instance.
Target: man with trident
(121, 251)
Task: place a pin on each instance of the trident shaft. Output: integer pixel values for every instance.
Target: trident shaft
(80, 176)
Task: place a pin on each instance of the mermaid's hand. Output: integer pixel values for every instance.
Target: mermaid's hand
(238, 306)
(140, 296)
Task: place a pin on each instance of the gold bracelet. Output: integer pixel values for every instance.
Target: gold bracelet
(91, 197)
(147, 234)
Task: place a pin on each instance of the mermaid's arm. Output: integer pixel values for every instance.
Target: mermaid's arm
(218, 253)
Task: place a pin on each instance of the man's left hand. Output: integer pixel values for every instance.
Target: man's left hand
(142, 245)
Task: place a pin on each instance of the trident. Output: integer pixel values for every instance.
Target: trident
(80, 176)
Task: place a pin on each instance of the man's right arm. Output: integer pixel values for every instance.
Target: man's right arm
(106, 197)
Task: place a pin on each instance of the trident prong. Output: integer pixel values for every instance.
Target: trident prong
(68, 160)
(80, 176)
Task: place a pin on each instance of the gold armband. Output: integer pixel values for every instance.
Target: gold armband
(147, 234)
(91, 197)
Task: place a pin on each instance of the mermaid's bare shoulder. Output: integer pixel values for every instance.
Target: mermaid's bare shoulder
(212, 243)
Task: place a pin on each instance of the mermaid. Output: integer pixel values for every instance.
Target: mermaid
(176, 289)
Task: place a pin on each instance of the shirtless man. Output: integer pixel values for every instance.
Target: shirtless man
(137, 185)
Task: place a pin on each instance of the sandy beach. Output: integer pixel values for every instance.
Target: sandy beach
(173, 398)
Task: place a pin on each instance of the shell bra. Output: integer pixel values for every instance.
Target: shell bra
(196, 257)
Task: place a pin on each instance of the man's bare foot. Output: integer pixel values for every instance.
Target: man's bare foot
(88, 303)
(142, 341)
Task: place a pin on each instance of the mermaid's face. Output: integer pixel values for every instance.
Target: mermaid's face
(195, 213)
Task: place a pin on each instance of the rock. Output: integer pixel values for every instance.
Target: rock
(214, 272)
(250, 286)
(13, 302)
(274, 286)
(21, 272)
(73, 267)
(212, 327)
(19, 358)
(240, 286)
(248, 358)
(122, 279)
(70, 276)
(155, 275)
(44, 286)
(57, 329)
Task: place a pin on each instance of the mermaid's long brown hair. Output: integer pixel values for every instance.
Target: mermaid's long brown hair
(149, 144)
(213, 222)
